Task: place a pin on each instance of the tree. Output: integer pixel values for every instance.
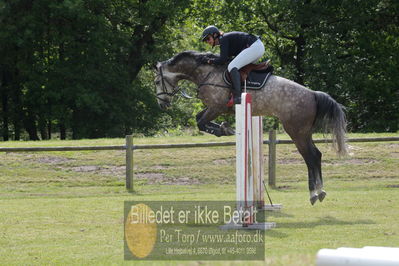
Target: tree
(74, 64)
(84, 66)
(346, 48)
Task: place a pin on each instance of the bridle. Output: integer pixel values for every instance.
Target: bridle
(177, 89)
(165, 91)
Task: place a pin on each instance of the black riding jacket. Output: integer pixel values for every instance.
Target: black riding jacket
(232, 43)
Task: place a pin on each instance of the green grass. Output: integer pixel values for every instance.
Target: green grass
(67, 207)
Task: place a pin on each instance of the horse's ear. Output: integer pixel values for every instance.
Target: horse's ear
(157, 66)
(154, 66)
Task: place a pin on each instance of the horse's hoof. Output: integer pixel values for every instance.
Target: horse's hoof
(322, 195)
(227, 130)
(313, 199)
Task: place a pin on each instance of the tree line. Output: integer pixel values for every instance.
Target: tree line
(83, 68)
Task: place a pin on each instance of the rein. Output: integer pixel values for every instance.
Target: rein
(210, 84)
(175, 90)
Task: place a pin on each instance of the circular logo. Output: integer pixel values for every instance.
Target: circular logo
(140, 230)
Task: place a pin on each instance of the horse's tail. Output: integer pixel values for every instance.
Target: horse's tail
(331, 116)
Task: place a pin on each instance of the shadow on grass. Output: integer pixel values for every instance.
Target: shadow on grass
(328, 220)
(323, 221)
(277, 214)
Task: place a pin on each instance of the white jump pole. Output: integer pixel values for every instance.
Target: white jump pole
(257, 126)
(257, 154)
(258, 166)
(244, 154)
(366, 256)
(249, 166)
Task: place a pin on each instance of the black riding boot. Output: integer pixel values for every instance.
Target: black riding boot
(236, 82)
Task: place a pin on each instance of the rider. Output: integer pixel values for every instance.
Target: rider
(246, 48)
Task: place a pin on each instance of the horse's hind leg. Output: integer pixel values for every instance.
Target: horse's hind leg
(319, 177)
(316, 157)
(312, 157)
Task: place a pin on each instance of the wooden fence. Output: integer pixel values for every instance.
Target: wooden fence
(130, 147)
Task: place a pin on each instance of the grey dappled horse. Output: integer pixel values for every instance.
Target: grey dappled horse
(299, 109)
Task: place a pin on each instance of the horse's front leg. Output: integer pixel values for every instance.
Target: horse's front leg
(204, 123)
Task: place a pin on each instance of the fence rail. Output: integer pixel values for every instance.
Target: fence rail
(173, 146)
(64, 148)
(129, 147)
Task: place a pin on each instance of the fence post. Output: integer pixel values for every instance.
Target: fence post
(272, 158)
(129, 162)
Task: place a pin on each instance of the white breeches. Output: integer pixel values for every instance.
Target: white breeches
(249, 55)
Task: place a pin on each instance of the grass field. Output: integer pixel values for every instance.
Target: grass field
(67, 207)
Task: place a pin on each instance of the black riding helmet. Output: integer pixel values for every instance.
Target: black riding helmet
(210, 30)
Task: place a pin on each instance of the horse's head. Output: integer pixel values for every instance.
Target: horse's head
(166, 84)
(185, 65)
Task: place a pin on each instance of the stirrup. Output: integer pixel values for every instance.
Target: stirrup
(230, 103)
(234, 100)
(237, 100)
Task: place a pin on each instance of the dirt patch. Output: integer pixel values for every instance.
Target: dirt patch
(159, 178)
(395, 154)
(62, 164)
(119, 171)
(362, 161)
(228, 161)
(54, 160)
(351, 161)
(113, 170)
(265, 160)
(182, 181)
(109, 170)
(354, 148)
(161, 167)
(290, 161)
(284, 187)
(151, 178)
(83, 168)
(393, 146)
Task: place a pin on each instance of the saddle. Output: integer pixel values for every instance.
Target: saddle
(255, 75)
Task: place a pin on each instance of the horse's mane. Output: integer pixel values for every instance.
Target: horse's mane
(197, 56)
